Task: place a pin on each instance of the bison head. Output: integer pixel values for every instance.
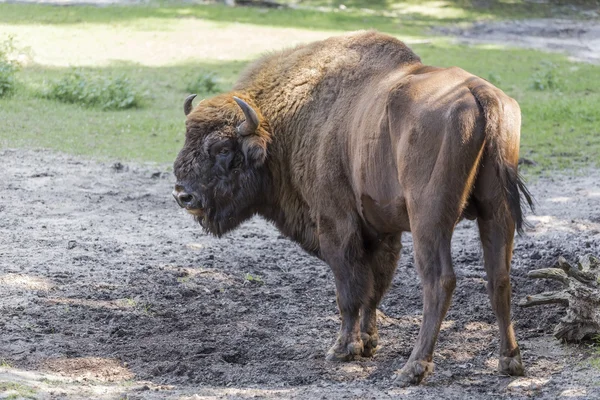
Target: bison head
(220, 171)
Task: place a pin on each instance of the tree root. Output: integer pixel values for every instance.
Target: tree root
(581, 295)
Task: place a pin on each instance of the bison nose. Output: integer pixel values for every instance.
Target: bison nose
(184, 199)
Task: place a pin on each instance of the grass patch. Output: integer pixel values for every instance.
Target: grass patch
(253, 279)
(8, 67)
(388, 16)
(463, 9)
(547, 77)
(104, 92)
(13, 390)
(205, 83)
(595, 359)
(159, 16)
(152, 133)
(561, 125)
(53, 382)
(559, 99)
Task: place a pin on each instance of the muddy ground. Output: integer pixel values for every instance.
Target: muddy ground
(108, 290)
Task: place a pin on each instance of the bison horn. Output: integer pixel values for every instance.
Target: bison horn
(187, 104)
(249, 126)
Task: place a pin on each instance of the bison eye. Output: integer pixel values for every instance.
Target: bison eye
(224, 151)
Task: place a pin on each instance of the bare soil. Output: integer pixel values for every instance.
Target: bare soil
(579, 39)
(108, 290)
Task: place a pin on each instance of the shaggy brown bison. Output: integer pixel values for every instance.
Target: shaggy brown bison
(346, 143)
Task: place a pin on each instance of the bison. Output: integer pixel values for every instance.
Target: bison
(346, 143)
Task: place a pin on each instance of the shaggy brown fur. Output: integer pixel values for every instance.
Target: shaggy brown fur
(358, 142)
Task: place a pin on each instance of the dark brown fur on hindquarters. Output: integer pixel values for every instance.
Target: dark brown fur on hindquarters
(348, 142)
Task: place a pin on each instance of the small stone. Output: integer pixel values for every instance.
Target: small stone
(536, 255)
(589, 261)
(447, 373)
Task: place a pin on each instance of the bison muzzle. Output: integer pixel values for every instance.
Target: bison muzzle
(348, 142)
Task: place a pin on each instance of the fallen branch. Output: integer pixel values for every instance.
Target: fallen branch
(581, 295)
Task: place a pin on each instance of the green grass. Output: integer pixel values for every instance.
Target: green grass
(560, 122)
(153, 132)
(253, 279)
(561, 127)
(16, 391)
(102, 91)
(158, 16)
(471, 9)
(595, 359)
(4, 363)
(389, 16)
(8, 67)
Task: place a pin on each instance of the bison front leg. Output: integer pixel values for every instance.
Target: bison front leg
(342, 248)
(383, 262)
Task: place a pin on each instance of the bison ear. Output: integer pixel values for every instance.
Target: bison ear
(248, 127)
(187, 104)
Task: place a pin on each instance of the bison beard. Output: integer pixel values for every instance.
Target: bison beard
(346, 143)
(227, 203)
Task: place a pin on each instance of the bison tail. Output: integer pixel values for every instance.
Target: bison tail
(502, 133)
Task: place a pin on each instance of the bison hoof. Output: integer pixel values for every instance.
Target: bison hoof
(345, 350)
(511, 365)
(369, 344)
(413, 373)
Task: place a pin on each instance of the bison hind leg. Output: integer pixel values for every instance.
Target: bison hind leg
(413, 373)
(496, 231)
(512, 364)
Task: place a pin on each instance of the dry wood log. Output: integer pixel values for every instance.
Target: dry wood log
(581, 295)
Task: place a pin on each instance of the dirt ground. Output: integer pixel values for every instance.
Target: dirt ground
(110, 291)
(578, 39)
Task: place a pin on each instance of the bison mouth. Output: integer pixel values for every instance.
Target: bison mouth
(209, 220)
(201, 216)
(197, 212)
(212, 227)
